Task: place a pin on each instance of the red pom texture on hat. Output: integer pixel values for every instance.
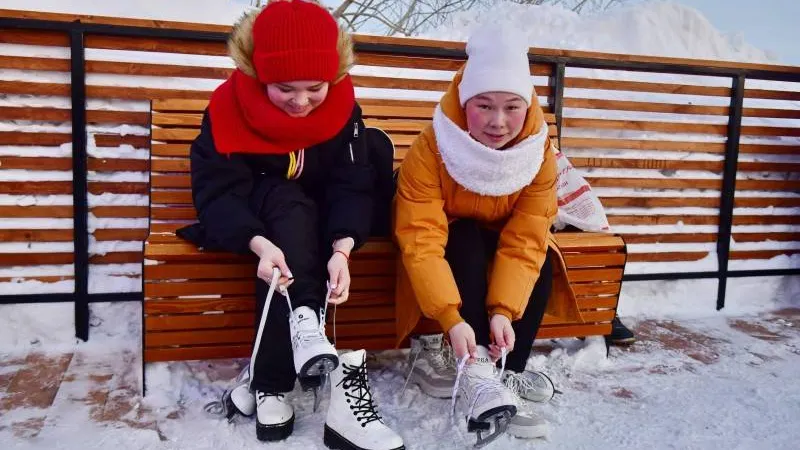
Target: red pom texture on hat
(295, 41)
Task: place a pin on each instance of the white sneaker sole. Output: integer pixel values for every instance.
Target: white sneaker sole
(431, 390)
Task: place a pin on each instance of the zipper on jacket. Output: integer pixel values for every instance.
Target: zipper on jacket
(355, 129)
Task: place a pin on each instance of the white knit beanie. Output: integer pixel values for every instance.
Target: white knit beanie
(497, 61)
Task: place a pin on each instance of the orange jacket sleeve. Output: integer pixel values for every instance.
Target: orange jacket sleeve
(421, 230)
(522, 247)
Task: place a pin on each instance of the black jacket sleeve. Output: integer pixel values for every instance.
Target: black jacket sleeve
(349, 193)
(221, 187)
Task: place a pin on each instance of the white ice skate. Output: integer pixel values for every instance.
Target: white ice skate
(353, 423)
(486, 402)
(431, 366)
(531, 385)
(236, 400)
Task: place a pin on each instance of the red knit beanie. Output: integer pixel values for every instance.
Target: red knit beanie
(295, 40)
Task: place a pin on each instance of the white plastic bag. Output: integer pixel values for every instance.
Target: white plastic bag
(577, 204)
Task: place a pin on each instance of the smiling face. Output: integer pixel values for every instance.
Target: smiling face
(495, 118)
(297, 98)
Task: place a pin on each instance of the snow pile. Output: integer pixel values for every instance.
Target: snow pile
(650, 28)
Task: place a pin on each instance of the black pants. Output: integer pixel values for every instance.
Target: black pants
(469, 251)
(292, 218)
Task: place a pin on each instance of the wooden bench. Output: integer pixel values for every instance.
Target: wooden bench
(200, 305)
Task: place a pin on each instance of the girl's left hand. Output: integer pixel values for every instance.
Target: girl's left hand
(339, 278)
(502, 335)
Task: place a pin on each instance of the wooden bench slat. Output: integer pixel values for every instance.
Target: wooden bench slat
(656, 183)
(117, 234)
(195, 305)
(16, 235)
(642, 144)
(565, 331)
(166, 150)
(586, 241)
(598, 302)
(182, 197)
(769, 149)
(655, 164)
(242, 336)
(678, 238)
(594, 260)
(186, 212)
(185, 353)
(35, 259)
(116, 258)
(592, 289)
(198, 271)
(198, 321)
(659, 202)
(642, 86)
(594, 275)
(667, 256)
(642, 125)
(624, 105)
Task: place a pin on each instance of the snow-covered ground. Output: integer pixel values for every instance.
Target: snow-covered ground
(712, 382)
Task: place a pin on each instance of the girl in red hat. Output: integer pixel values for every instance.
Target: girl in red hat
(285, 168)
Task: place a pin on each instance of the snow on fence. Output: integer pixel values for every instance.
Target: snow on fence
(651, 135)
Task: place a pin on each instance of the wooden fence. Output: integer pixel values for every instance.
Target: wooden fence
(696, 162)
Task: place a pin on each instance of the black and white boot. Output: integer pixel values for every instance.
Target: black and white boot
(353, 423)
(274, 417)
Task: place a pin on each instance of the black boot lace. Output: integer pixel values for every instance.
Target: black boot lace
(358, 394)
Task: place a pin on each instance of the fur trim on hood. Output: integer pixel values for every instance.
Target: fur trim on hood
(240, 45)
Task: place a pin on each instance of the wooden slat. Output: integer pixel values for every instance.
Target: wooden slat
(32, 88)
(373, 283)
(594, 260)
(595, 289)
(641, 86)
(34, 37)
(229, 336)
(766, 220)
(581, 242)
(116, 234)
(55, 235)
(772, 95)
(657, 183)
(185, 251)
(383, 328)
(675, 146)
(54, 212)
(676, 238)
(752, 130)
(346, 314)
(159, 45)
(123, 21)
(659, 219)
(178, 105)
(623, 105)
(642, 125)
(115, 140)
(666, 256)
(157, 70)
(555, 332)
(198, 271)
(177, 119)
(35, 259)
(765, 202)
(761, 254)
(768, 185)
(174, 134)
(171, 197)
(171, 181)
(117, 258)
(29, 138)
(36, 187)
(114, 165)
(592, 275)
(765, 236)
(768, 149)
(186, 306)
(198, 321)
(38, 113)
(585, 303)
(659, 202)
(759, 166)
(179, 150)
(100, 187)
(774, 113)
(656, 164)
(173, 213)
(171, 165)
(197, 352)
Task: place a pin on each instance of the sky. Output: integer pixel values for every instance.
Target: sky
(767, 24)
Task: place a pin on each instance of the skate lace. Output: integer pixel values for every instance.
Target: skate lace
(306, 337)
(261, 397)
(518, 383)
(481, 385)
(357, 391)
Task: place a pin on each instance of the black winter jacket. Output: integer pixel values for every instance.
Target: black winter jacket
(226, 194)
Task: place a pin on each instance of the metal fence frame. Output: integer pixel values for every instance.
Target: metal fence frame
(77, 31)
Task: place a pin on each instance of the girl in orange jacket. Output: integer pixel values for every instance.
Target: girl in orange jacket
(475, 202)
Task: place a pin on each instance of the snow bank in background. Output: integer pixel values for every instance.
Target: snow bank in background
(30, 326)
(652, 28)
(223, 12)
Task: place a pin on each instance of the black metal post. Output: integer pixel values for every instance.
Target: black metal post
(80, 199)
(729, 186)
(557, 83)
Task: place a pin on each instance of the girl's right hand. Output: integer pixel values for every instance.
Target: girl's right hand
(270, 257)
(462, 339)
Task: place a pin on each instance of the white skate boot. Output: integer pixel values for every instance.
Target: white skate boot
(314, 355)
(352, 422)
(430, 366)
(235, 400)
(486, 402)
(530, 385)
(274, 417)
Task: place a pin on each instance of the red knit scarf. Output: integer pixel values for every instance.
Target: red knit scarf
(244, 120)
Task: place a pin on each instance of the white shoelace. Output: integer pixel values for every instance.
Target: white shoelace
(483, 385)
(518, 383)
(310, 336)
